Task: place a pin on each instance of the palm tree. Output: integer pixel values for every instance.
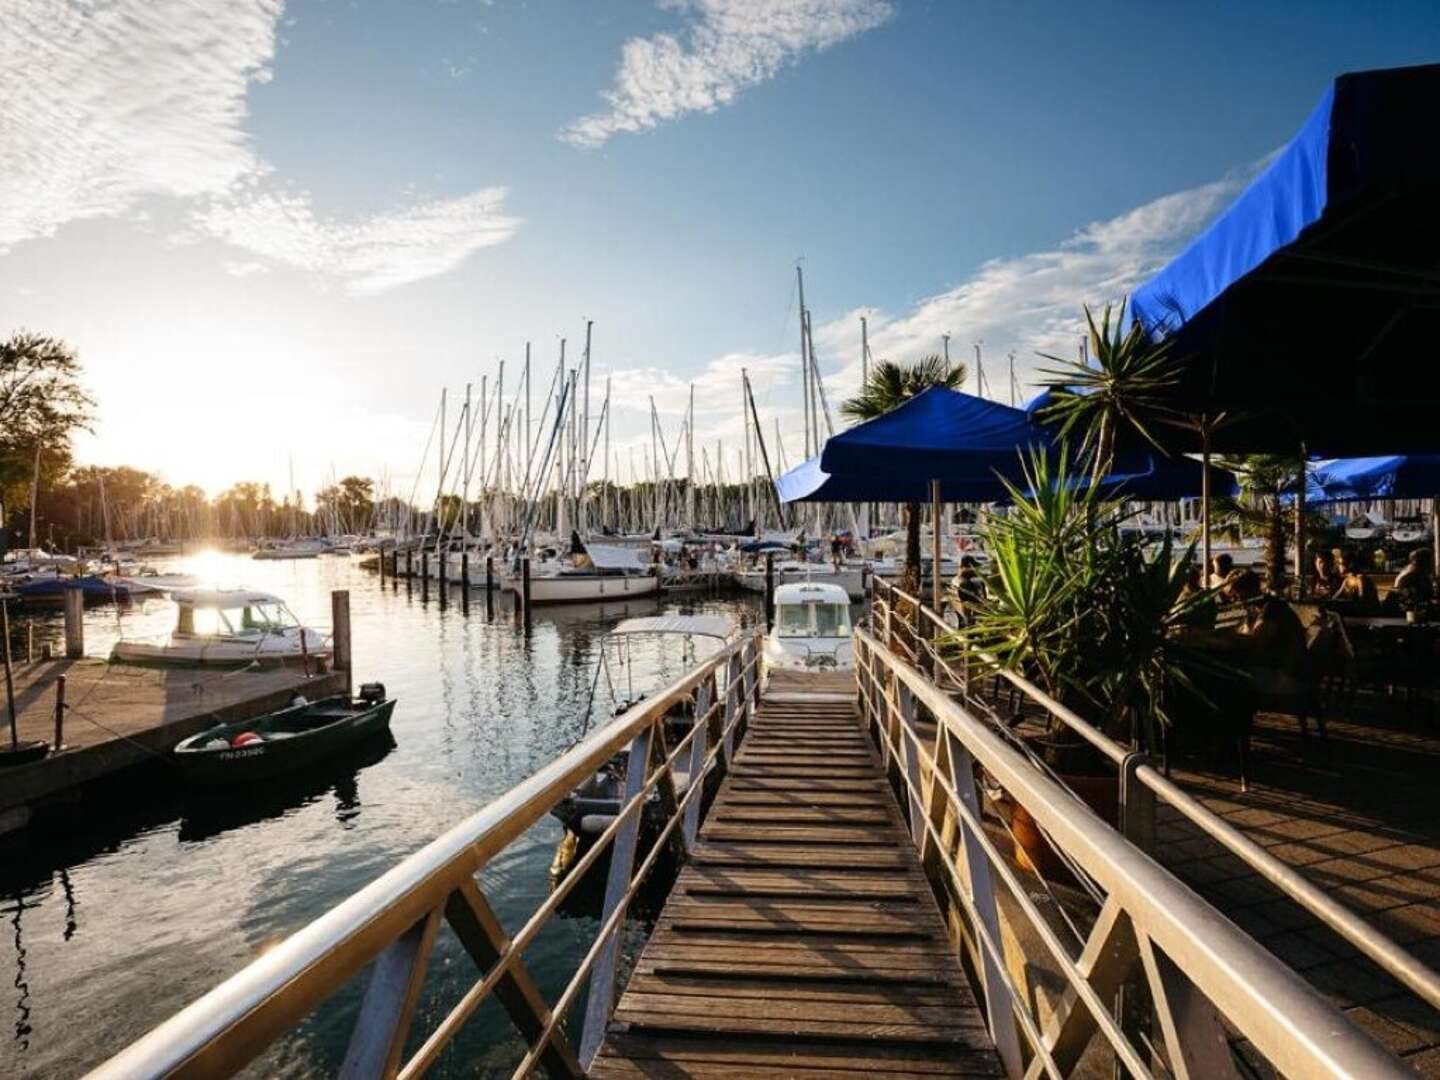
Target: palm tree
(1265, 505)
(889, 386)
(1125, 383)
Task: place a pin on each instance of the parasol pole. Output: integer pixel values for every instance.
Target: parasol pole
(935, 546)
(1300, 529)
(1205, 500)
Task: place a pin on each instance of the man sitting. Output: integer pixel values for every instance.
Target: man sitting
(1415, 585)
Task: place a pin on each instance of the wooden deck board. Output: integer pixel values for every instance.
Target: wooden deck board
(801, 940)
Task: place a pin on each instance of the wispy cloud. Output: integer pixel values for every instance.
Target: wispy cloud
(729, 46)
(111, 103)
(106, 103)
(369, 255)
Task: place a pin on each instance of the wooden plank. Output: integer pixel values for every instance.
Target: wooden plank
(740, 984)
(699, 1055)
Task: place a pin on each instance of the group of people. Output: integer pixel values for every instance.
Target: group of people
(1338, 575)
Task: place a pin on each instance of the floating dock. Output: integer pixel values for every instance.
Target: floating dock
(121, 715)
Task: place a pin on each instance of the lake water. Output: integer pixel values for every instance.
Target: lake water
(125, 917)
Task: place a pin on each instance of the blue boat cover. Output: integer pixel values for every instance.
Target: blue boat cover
(1310, 308)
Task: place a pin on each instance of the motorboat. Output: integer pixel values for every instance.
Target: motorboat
(1367, 525)
(227, 626)
(594, 804)
(1410, 530)
(811, 629)
(848, 576)
(293, 549)
(592, 572)
(303, 734)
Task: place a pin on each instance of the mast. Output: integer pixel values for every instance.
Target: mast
(979, 371)
(585, 435)
(804, 364)
(35, 495)
(465, 473)
(690, 463)
(864, 351)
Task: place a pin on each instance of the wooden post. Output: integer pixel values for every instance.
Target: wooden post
(340, 639)
(489, 588)
(59, 715)
(769, 592)
(525, 591)
(9, 680)
(425, 576)
(444, 574)
(74, 624)
(409, 572)
(382, 568)
(465, 581)
(30, 641)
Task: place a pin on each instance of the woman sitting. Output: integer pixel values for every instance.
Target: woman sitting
(1354, 585)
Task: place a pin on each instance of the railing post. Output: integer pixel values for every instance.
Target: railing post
(750, 659)
(734, 703)
(699, 747)
(909, 763)
(601, 999)
(1137, 803)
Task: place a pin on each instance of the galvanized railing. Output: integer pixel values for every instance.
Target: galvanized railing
(1145, 987)
(916, 632)
(393, 921)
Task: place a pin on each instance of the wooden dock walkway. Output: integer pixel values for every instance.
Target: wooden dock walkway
(801, 939)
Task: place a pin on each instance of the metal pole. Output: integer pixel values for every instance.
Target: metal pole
(935, 586)
(769, 591)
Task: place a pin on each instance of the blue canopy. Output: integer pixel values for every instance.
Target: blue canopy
(1309, 310)
(968, 444)
(1399, 476)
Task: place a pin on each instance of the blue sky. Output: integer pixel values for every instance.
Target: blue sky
(275, 230)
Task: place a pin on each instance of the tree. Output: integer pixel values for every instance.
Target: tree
(889, 386)
(1265, 505)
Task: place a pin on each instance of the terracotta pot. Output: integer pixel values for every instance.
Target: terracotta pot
(1033, 852)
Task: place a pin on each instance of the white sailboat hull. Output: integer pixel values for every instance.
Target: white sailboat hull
(579, 588)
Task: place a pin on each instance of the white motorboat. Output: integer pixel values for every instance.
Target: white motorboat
(812, 628)
(849, 576)
(1367, 526)
(293, 549)
(596, 572)
(227, 626)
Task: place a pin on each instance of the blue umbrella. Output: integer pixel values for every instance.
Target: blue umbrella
(1305, 312)
(1397, 476)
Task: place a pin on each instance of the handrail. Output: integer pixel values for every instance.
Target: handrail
(1382, 950)
(394, 916)
(1183, 943)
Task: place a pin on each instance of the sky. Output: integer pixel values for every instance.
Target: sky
(275, 229)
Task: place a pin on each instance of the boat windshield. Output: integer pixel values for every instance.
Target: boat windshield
(267, 616)
(814, 620)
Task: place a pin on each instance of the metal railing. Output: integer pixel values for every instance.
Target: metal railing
(393, 921)
(915, 631)
(1158, 968)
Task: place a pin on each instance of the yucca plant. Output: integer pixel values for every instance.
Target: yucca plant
(1125, 384)
(890, 385)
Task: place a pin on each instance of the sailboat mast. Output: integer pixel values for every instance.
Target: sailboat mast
(804, 358)
(864, 350)
(34, 495)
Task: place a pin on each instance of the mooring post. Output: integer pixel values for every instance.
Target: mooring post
(394, 570)
(443, 557)
(9, 680)
(382, 568)
(74, 624)
(489, 588)
(30, 641)
(425, 576)
(525, 591)
(409, 572)
(59, 716)
(340, 635)
(465, 581)
(769, 592)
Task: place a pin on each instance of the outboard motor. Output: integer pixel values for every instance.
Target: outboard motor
(372, 693)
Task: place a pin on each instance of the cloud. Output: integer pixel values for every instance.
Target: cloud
(134, 98)
(729, 46)
(370, 255)
(108, 103)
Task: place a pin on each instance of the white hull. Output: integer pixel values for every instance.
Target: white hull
(216, 649)
(579, 588)
(849, 578)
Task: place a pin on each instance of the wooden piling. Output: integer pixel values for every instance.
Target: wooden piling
(769, 592)
(394, 570)
(525, 591)
(409, 572)
(341, 656)
(9, 680)
(59, 742)
(382, 567)
(30, 641)
(444, 571)
(489, 588)
(465, 581)
(74, 624)
(425, 576)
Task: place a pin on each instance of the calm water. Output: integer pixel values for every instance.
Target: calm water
(114, 925)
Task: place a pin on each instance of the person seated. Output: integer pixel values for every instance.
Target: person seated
(969, 586)
(1220, 568)
(1354, 585)
(1196, 606)
(1327, 580)
(1241, 585)
(1280, 661)
(1415, 585)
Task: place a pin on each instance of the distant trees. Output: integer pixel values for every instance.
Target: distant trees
(348, 505)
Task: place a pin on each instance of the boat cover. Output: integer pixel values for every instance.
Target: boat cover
(716, 626)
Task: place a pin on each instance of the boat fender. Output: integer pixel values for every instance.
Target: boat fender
(245, 738)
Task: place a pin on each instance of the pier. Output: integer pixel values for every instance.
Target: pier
(845, 899)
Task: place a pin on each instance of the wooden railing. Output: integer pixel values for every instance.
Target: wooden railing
(1141, 982)
(918, 634)
(394, 920)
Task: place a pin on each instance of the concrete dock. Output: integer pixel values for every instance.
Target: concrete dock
(122, 715)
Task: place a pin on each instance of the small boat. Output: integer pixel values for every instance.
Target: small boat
(1410, 530)
(51, 589)
(812, 628)
(227, 626)
(292, 738)
(593, 572)
(1367, 526)
(293, 549)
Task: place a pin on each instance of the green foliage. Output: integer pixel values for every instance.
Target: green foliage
(1086, 611)
(1125, 386)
